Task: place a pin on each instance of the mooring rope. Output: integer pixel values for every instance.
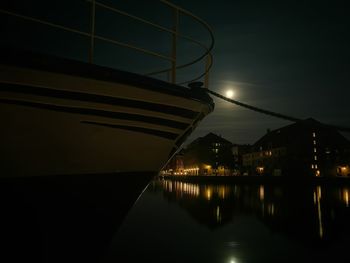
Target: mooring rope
(270, 113)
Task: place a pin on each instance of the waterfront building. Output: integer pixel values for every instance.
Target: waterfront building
(306, 147)
(175, 166)
(208, 155)
(238, 151)
(211, 155)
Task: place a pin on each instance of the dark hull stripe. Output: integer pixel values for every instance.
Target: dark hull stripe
(86, 97)
(100, 113)
(163, 134)
(70, 67)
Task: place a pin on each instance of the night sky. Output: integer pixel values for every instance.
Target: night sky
(290, 57)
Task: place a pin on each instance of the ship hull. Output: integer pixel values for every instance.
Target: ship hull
(62, 117)
(65, 218)
(79, 145)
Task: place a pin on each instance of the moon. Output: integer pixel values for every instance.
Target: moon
(230, 94)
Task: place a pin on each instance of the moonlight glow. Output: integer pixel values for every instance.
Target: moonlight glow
(230, 94)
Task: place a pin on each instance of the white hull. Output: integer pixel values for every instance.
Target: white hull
(54, 123)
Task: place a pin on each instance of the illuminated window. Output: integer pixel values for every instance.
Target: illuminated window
(314, 150)
(260, 169)
(315, 157)
(318, 173)
(312, 166)
(215, 150)
(315, 166)
(314, 134)
(314, 142)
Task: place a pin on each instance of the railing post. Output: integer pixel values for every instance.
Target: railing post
(92, 31)
(174, 46)
(206, 77)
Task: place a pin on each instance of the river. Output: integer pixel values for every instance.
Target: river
(175, 221)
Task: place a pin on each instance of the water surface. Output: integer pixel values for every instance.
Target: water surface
(175, 221)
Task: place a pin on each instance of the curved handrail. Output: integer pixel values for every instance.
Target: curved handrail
(174, 32)
(208, 50)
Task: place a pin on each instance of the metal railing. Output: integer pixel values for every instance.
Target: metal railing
(176, 36)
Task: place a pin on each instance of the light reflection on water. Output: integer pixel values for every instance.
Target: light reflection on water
(185, 222)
